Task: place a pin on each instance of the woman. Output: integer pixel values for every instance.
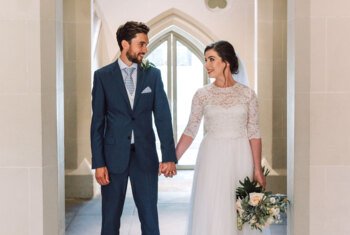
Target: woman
(230, 149)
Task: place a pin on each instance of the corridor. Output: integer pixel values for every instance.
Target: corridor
(84, 217)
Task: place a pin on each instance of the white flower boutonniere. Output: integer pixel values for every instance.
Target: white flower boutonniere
(146, 64)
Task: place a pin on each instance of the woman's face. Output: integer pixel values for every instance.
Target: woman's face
(214, 64)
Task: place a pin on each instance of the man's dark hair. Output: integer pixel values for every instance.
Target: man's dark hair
(129, 30)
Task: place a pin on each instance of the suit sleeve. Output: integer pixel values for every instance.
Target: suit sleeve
(97, 123)
(162, 118)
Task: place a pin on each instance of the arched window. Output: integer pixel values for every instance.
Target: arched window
(181, 65)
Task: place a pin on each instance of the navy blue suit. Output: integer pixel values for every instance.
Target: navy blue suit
(113, 121)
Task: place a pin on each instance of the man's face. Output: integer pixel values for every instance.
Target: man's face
(137, 48)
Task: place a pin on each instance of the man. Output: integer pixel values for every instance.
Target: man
(124, 97)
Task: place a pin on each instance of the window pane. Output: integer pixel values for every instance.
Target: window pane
(189, 79)
(159, 58)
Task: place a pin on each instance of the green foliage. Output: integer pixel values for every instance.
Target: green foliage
(256, 207)
(145, 64)
(250, 186)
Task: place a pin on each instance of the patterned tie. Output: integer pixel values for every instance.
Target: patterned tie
(129, 83)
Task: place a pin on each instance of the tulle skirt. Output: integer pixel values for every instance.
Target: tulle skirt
(221, 163)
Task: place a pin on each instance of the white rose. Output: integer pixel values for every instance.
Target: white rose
(255, 198)
(274, 211)
(273, 200)
(277, 211)
(239, 206)
(239, 223)
(270, 220)
(239, 203)
(278, 219)
(253, 220)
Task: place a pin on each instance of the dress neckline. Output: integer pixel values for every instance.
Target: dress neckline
(224, 88)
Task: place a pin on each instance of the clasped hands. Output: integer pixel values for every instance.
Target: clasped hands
(168, 169)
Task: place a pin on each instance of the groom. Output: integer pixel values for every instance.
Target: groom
(124, 97)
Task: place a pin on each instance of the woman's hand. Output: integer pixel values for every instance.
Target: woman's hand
(260, 177)
(168, 169)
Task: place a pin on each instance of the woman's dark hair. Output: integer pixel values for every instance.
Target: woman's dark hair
(226, 51)
(129, 30)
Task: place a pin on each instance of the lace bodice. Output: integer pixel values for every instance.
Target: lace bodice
(228, 112)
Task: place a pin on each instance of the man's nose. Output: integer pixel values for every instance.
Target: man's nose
(145, 49)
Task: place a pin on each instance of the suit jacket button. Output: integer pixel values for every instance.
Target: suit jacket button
(129, 137)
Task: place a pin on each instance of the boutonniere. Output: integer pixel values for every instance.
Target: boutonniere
(146, 64)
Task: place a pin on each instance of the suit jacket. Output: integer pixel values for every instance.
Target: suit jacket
(113, 120)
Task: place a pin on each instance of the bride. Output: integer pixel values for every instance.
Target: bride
(230, 149)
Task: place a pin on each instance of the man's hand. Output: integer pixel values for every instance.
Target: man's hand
(168, 169)
(101, 175)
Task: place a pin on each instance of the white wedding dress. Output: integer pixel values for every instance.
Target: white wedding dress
(224, 157)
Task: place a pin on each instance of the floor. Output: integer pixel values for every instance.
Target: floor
(84, 217)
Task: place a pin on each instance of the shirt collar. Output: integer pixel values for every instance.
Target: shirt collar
(122, 65)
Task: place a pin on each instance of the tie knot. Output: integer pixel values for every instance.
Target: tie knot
(129, 71)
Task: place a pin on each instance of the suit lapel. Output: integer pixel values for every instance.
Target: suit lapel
(117, 74)
(139, 84)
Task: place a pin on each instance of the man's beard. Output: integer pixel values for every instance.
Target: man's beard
(133, 58)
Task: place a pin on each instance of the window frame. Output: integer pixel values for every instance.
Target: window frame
(171, 38)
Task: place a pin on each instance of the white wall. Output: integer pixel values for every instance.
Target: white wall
(319, 96)
(31, 107)
(329, 117)
(298, 120)
(77, 81)
(272, 77)
(234, 24)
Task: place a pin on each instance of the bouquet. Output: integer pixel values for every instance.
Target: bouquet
(257, 207)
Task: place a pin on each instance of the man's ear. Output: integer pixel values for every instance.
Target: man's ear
(125, 44)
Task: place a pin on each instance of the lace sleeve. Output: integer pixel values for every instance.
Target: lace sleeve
(195, 116)
(253, 117)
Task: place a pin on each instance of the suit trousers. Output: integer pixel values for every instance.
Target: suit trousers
(144, 185)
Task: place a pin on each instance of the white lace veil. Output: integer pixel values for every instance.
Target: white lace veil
(241, 77)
